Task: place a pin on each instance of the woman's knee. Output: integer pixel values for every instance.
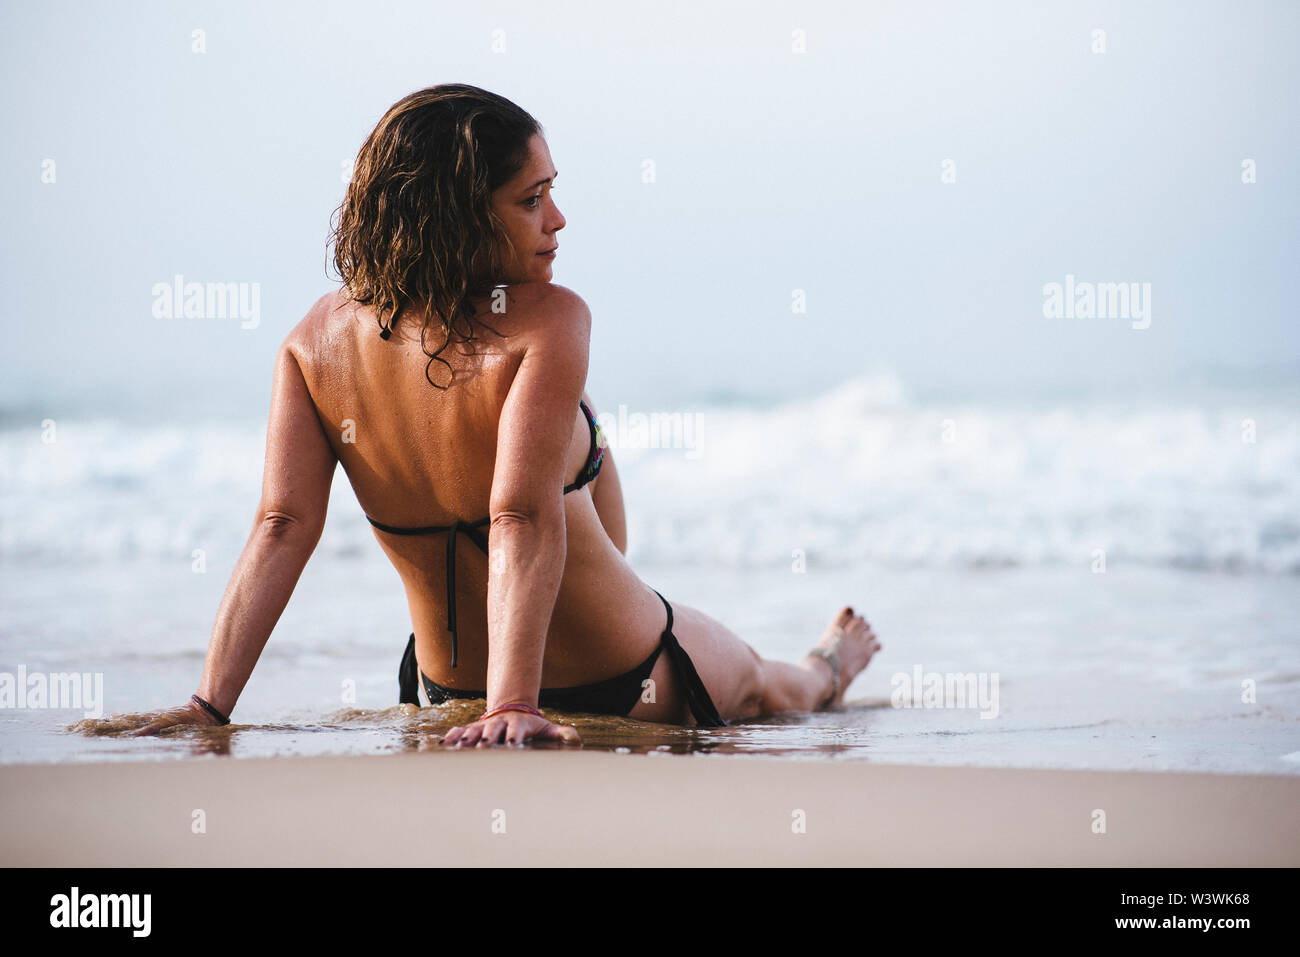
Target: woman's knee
(751, 679)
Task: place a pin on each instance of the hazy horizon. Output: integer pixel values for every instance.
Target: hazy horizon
(774, 171)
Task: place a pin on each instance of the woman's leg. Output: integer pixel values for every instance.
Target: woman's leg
(743, 684)
(740, 682)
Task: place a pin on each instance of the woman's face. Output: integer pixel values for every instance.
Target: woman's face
(530, 216)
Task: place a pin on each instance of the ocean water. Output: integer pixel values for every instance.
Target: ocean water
(1120, 578)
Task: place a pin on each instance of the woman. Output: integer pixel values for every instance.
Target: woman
(447, 233)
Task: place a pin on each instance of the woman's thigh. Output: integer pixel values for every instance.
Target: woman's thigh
(730, 669)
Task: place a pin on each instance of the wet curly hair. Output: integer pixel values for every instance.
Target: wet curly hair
(416, 228)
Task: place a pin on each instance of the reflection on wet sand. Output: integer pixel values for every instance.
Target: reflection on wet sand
(409, 728)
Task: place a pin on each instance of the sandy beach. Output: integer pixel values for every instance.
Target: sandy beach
(548, 807)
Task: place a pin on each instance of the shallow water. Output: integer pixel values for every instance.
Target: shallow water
(1139, 669)
(968, 557)
(865, 731)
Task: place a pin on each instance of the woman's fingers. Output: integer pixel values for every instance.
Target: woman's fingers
(516, 734)
(157, 724)
(163, 720)
(152, 727)
(493, 732)
(471, 735)
(484, 739)
(561, 732)
(512, 728)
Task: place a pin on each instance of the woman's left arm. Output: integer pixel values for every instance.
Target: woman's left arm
(290, 517)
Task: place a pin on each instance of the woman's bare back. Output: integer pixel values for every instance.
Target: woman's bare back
(417, 455)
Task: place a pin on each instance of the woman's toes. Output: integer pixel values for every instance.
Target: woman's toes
(838, 625)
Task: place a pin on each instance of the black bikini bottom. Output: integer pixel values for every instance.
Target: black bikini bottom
(617, 695)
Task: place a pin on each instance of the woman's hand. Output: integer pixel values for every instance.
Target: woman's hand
(511, 728)
(188, 713)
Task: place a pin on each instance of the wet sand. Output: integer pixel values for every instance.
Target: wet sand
(552, 807)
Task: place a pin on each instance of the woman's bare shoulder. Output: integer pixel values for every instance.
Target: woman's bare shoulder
(320, 323)
(548, 311)
(547, 298)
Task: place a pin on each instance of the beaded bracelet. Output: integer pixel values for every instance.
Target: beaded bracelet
(528, 709)
(221, 718)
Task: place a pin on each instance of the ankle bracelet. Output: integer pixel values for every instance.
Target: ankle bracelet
(832, 658)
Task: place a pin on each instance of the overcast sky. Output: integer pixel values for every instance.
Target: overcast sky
(795, 146)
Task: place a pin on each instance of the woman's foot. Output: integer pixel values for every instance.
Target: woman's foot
(845, 649)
